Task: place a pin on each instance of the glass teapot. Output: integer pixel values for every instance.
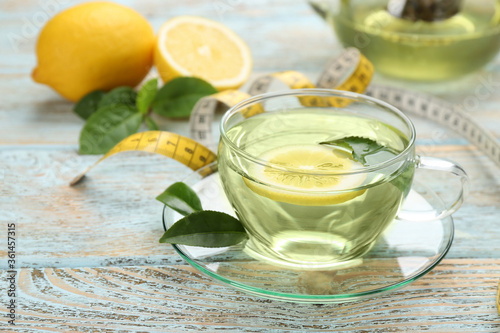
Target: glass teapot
(423, 40)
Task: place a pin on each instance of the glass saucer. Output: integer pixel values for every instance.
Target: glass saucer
(405, 252)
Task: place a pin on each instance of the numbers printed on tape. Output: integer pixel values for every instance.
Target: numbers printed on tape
(441, 112)
(202, 114)
(178, 147)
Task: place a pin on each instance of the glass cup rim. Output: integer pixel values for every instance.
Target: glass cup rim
(317, 92)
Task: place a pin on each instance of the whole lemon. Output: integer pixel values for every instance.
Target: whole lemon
(95, 45)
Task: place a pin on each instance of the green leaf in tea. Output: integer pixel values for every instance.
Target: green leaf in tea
(177, 98)
(206, 228)
(88, 104)
(181, 198)
(359, 147)
(151, 124)
(121, 95)
(146, 95)
(108, 126)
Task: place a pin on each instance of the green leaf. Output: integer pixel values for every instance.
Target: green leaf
(146, 95)
(359, 147)
(88, 104)
(205, 228)
(152, 126)
(108, 126)
(180, 198)
(120, 95)
(177, 98)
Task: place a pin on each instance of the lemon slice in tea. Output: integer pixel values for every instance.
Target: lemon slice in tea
(306, 176)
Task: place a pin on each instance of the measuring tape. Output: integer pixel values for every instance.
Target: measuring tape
(182, 149)
(498, 299)
(350, 71)
(441, 112)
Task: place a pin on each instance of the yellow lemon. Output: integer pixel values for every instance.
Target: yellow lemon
(95, 45)
(195, 46)
(306, 176)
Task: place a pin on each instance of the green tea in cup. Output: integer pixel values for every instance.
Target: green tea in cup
(315, 186)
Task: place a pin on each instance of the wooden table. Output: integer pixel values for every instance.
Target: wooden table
(88, 258)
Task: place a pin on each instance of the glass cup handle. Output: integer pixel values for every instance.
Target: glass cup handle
(437, 164)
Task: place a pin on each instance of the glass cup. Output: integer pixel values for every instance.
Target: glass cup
(417, 40)
(317, 175)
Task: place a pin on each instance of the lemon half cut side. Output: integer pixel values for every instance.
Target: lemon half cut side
(196, 46)
(306, 176)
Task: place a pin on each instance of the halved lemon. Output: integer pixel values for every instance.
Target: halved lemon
(305, 176)
(196, 46)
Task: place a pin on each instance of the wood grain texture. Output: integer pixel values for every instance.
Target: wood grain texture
(88, 257)
(112, 218)
(176, 297)
(96, 222)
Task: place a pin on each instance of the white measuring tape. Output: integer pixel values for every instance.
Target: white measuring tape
(441, 112)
